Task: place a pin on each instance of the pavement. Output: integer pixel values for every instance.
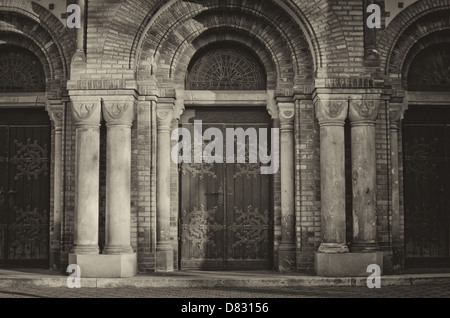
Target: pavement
(200, 284)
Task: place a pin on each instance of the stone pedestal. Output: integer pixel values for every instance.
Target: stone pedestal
(105, 266)
(346, 264)
(164, 249)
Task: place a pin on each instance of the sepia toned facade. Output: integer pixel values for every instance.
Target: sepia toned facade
(87, 119)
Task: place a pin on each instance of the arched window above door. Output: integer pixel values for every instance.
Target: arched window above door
(20, 71)
(430, 70)
(226, 67)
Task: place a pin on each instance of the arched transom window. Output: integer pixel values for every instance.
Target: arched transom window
(430, 70)
(225, 67)
(20, 71)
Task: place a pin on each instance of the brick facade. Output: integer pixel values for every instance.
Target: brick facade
(145, 47)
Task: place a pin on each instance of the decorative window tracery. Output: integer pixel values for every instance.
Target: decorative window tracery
(430, 70)
(20, 71)
(226, 68)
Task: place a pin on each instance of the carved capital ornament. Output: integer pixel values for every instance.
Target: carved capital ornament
(331, 111)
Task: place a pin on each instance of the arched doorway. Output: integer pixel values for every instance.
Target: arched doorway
(226, 206)
(426, 146)
(25, 143)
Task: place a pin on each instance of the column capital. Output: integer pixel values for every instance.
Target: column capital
(57, 117)
(55, 109)
(331, 112)
(364, 111)
(119, 110)
(86, 110)
(165, 112)
(396, 113)
(286, 112)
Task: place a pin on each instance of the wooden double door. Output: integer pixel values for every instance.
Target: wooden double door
(24, 188)
(426, 145)
(226, 214)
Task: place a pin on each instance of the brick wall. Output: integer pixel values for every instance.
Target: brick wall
(147, 46)
(307, 202)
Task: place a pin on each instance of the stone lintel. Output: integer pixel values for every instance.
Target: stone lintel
(346, 264)
(346, 93)
(128, 83)
(105, 266)
(102, 93)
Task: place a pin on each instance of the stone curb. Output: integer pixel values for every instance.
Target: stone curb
(174, 282)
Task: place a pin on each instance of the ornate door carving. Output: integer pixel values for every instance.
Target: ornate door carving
(24, 194)
(427, 186)
(225, 210)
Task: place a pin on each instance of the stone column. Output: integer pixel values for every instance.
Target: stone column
(287, 249)
(331, 115)
(119, 115)
(363, 114)
(395, 114)
(57, 119)
(164, 249)
(87, 114)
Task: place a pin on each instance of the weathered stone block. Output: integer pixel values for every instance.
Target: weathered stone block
(105, 266)
(346, 264)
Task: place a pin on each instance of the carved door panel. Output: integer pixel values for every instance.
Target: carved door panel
(202, 214)
(248, 214)
(427, 187)
(225, 210)
(24, 194)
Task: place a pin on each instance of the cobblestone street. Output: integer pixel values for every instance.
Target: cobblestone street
(419, 291)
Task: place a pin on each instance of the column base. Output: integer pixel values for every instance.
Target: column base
(287, 258)
(164, 259)
(117, 250)
(364, 247)
(398, 256)
(105, 266)
(55, 259)
(86, 250)
(346, 264)
(333, 248)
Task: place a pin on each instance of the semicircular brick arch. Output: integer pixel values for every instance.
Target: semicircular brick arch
(269, 53)
(413, 24)
(36, 48)
(433, 39)
(176, 13)
(321, 21)
(34, 22)
(291, 52)
(185, 53)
